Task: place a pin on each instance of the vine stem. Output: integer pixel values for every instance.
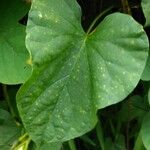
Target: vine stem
(100, 135)
(22, 143)
(7, 98)
(97, 18)
(72, 145)
(126, 7)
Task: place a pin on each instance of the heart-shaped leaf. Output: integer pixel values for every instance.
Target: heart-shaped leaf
(13, 54)
(75, 73)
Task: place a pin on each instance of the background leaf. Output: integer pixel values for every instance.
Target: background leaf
(145, 131)
(13, 54)
(149, 97)
(76, 73)
(146, 72)
(9, 132)
(145, 6)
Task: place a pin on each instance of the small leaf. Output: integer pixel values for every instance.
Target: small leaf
(145, 131)
(76, 73)
(137, 108)
(9, 132)
(146, 72)
(13, 54)
(139, 143)
(118, 144)
(149, 97)
(145, 6)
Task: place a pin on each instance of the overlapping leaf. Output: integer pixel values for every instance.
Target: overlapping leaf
(9, 132)
(13, 54)
(146, 72)
(76, 73)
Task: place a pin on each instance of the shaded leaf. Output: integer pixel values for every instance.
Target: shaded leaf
(146, 72)
(118, 144)
(145, 131)
(9, 132)
(149, 97)
(139, 143)
(135, 107)
(145, 6)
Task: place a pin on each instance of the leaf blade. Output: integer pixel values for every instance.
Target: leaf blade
(13, 54)
(67, 85)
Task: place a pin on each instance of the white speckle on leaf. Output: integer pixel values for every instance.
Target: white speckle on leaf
(123, 73)
(36, 103)
(132, 42)
(99, 96)
(40, 15)
(109, 63)
(103, 75)
(56, 21)
(104, 86)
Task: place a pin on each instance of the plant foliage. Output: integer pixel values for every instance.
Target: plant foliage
(84, 71)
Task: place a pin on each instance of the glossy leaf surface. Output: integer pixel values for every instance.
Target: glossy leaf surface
(75, 73)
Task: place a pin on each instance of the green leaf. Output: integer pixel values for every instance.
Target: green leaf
(136, 106)
(13, 54)
(3, 105)
(118, 144)
(9, 132)
(49, 146)
(76, 73)
(145, 6)
(139, 143)
(149, 97)
(145, 131)
(44, 146)
(146, 72)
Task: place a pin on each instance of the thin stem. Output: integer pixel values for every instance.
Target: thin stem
(100, 136)
(128, 125)
(24, 136)
(22, 143)
(126, 7)
(6, 96)
(97, 18)
(72, 145)
(127, 136)
(112, 128)
(117, 130)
